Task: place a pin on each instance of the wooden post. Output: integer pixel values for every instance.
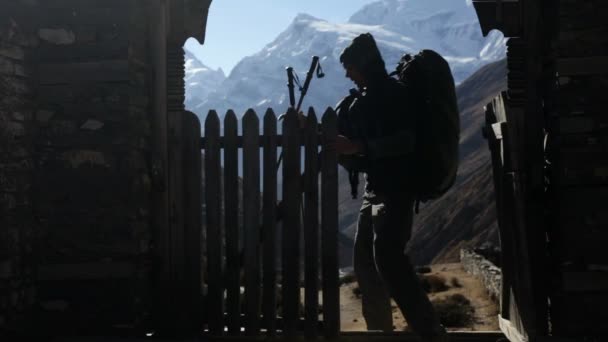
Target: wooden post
(215, 310)
(231, 211)
(174, 253)
(291, 223)
(251, 206)
(193, 221)
(269, 221)
(311, 226)
(329, 227)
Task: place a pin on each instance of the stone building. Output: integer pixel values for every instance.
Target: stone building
(87, 88)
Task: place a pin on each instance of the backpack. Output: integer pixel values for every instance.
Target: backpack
(437, 122)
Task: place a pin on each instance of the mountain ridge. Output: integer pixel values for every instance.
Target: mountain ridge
(258, 81)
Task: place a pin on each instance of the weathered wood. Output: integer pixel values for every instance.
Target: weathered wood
(101, 71)
(214, 237)
(89, 270)
(329, 227)
(231, 223)
(579, 314)
(311, 226)
(193, 222)
(375, 336)
(582, 66)
(278, 138)
(269, 221)
(511, 332)
(159, 140)
(174, 252)
(494, 137)
(291, 223)
(251, 224)
(584, 281)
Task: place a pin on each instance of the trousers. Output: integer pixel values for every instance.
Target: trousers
(383, 270)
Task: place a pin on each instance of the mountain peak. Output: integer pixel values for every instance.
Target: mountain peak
(305, 17)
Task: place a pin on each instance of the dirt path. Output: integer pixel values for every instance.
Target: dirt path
(486, 311)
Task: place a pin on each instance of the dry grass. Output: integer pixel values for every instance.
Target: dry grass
(455, 311)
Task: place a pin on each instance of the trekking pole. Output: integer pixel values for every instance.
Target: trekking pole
(314, 65)
(292, 97)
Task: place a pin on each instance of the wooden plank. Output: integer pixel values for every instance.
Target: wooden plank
(251, 224)
(231, 224)
(584, 281)
(291, 223)
(174, 252)
(511, 331)
(579, 314)
(214, 236)
(582, 66)
(495, 146)
(311, 226)
(193, 221)
(100, 71)
(375, 336)
(329, 227)
(278, 138)
(269, 221)
(89, 270)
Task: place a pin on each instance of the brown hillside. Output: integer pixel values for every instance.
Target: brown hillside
(465, 216)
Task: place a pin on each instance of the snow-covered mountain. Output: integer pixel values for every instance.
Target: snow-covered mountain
(200, 80)
(259, 81)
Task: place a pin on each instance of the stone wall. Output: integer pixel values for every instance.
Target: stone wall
(477, 265)
(17, 110)
(75, 156)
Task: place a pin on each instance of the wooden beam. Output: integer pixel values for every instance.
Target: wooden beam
(262, 141)
(596, 65)
(510, 331)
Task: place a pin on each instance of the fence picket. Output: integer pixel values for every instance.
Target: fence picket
(262, 238)
(231, 211)
(269, 221)
(329, 227)
(311, 226)
(192, 220)
(291, 224)
(214, 237)
(251, 222)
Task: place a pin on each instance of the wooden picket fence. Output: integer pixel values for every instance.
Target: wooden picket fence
(258, 315)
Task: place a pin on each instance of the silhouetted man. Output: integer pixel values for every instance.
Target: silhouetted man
(382, 136)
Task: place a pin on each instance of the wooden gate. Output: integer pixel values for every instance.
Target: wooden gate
(270, 305)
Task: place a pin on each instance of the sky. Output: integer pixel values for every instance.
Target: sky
(239, 28)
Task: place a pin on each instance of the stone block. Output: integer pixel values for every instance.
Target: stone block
(6, 269)
(57, 36)
(92, 125)
(43, 116)
(7, 202)
(8, 183)
(12, 51)
(19, 116)
(21, 71)
(78, 158)
(7, 67)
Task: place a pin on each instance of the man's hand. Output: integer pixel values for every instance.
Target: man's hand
(345, 146)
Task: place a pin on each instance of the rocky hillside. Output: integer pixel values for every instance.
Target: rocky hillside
(465, 216)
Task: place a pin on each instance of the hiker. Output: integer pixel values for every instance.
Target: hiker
(381, 143)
